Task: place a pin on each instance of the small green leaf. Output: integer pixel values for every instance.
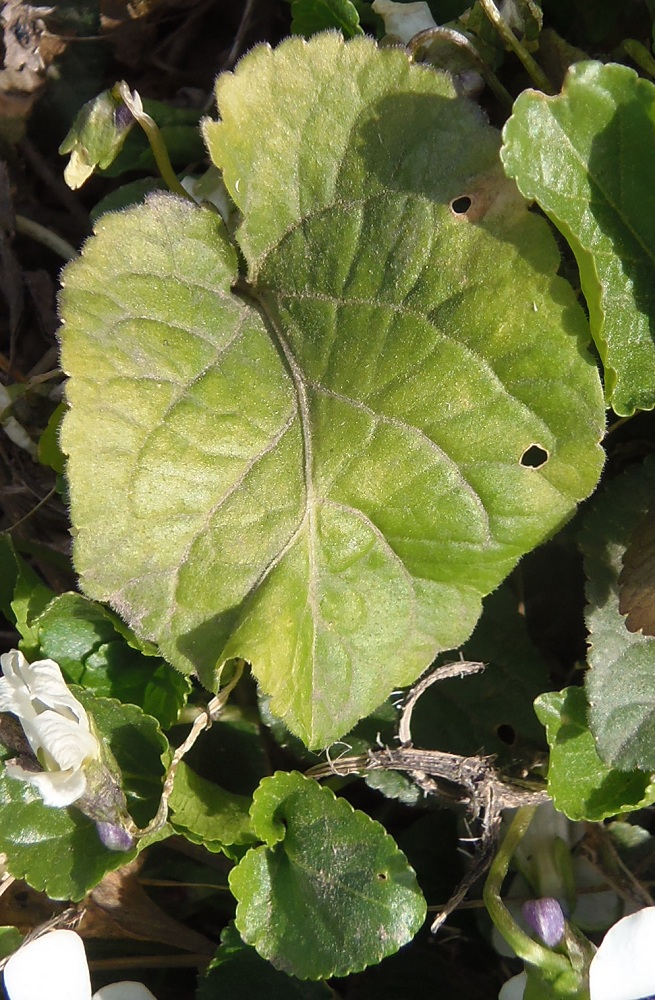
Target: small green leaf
(580, 784)
(58, 851)
(10, 938)
(206, 814)
(324, 473)
(49, 451)
(621, 683)
(238, 973)
(328, 869)
(23, 595)
(585, 158)
(311, 16)
(82, 637)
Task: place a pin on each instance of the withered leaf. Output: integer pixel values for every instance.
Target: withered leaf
(119, 907)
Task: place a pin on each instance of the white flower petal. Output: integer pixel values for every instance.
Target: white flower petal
(623, 967)
(56, 788)
(52, 967)
(514, 988)
(404, 20)
(44, 683)
(124, 991)
(64, 741)
(16, 700)
(11, 681)
(55, 724)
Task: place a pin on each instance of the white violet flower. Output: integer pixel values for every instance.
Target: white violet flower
(56, 726)
(404, 20)
(621, 969)
(54, 967)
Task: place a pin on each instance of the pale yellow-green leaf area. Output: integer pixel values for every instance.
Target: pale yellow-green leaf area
(324, 462)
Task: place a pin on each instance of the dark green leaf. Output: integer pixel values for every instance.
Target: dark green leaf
(10, 938)
(49, 451)
(329, 870)
(621, 683)
(580, 784)
(207, 814)
(23, 595)
(81, 636)
(312, 16)
(238, 973)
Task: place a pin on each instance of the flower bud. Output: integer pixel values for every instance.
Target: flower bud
(545, 917)
(96, 136)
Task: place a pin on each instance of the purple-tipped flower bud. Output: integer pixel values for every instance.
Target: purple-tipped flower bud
(115, 837)
(123, 117)
(545, 917)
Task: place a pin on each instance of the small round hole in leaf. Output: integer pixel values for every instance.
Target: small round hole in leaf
(534, 457)
(506, 734)
(382, 876)
(461, 205)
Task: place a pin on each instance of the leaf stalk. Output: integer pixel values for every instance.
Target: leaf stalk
(530, 65)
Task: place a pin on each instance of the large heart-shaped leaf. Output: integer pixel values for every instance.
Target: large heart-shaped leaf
(586, 157)
(324, 470)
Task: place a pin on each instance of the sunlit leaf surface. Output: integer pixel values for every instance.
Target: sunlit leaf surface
(586, 158)
(323, 465)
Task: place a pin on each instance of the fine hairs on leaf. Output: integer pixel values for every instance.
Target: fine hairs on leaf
(324, 471)
(315, 622)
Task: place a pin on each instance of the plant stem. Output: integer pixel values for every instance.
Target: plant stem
(457, 38)
(640, 55)
(153, 135)
(531, 66)
(162, 158)
(213, 710)
(550, 963)
(46, 237)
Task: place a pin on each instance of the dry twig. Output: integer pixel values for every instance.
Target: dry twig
(473, 782)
